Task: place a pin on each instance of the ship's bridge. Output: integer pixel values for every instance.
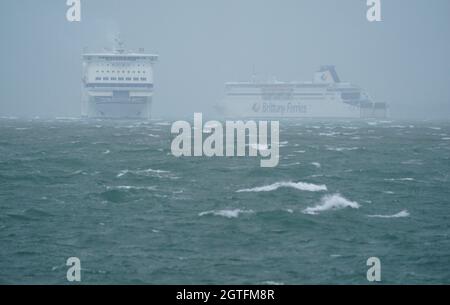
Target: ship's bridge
(118, 69)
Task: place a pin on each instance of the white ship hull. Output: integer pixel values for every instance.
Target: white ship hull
(325, 97)
(125, 109)
(117, 84)
(289, 109)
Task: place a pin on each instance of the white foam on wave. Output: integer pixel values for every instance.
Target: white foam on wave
(273, 283)
(302, 186)
(331, 202)
(341, 148)
(290, 164)
(316, 164)
(399, 179)
(226, 213)
(131, 187)
(142, 172)
(329, 134)
(401, 214)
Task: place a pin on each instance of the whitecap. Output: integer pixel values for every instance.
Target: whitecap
(316, 164)
(273, 283)
(302, 186)
(403, 213)
(282, 144)
(131, 187)
(399, 179)
(226, 213)
(331, 202)
(158, 172)
(106, 152)
(291, 164)
(329, 134)
(341, 148)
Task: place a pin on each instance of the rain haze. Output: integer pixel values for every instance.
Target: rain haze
(256, 142)
(202, 44)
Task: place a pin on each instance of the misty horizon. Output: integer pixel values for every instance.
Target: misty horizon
(401, 61)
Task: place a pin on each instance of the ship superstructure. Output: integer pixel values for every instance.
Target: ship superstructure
(324, 97)
(118, 83)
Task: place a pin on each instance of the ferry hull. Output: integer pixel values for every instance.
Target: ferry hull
(124, 108)
(299, 109)
(324, 97)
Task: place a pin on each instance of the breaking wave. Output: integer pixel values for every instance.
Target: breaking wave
(316, 164)
(403, 213)
(149, 171)
(331, 202)
(340, 149)
(302, 186)
(131, 187)
(226, 213)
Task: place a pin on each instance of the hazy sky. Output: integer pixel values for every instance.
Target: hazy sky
(403, 60)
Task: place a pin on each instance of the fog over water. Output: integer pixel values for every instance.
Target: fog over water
(402, 60)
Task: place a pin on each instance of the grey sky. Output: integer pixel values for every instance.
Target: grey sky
(403, 60)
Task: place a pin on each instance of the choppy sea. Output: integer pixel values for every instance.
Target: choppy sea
(112, 194)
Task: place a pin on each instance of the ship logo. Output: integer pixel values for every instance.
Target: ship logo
(256, 107)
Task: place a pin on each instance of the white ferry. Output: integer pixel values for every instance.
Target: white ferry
(325, 97)
(118, 83)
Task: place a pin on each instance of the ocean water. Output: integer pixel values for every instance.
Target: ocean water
(111, 194)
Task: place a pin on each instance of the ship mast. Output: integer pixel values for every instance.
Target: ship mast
(119, 47)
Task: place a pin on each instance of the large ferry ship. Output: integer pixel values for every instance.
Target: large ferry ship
(118, 83)
(324, 97)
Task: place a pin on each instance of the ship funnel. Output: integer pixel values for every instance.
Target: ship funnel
(326, 75)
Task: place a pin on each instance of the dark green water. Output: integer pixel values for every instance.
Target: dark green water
(111, 193)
